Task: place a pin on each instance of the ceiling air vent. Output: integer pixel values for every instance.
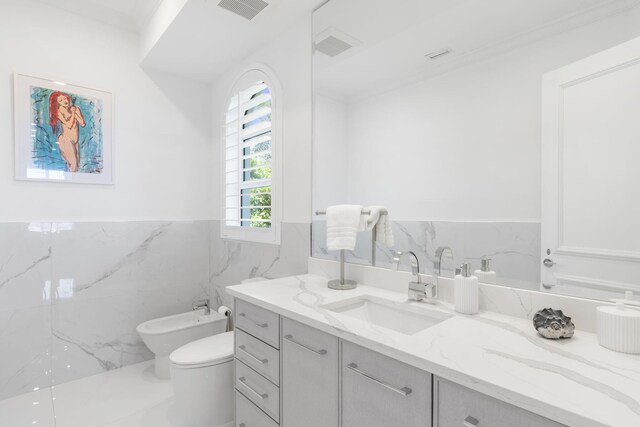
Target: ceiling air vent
(248, 9)
(332, 46)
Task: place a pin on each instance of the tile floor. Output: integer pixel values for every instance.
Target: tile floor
(127, 397)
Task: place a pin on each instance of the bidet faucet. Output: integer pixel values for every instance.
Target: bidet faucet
(418, 291)
(203, 304)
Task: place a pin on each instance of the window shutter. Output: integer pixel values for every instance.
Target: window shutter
(249, 158)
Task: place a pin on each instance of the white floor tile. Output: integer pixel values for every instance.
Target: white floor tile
(111, 397)
(161, 415)
(33, 409)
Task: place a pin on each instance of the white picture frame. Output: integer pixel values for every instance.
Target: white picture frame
(63, 132)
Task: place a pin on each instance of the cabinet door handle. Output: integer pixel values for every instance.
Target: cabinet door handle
(470, 422)
(256, 358)
(260, 396)
(289, 338)
(405, 391)
(258, 324)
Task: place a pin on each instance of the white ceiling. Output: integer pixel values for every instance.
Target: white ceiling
(204, 40)
(395, 36)
(128, 14)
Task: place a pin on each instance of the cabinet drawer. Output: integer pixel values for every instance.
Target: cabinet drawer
(310, 377)
(380, 391)
(258, 389)
(258, 355)
(248, 414)
(455, 405)
(260, 323)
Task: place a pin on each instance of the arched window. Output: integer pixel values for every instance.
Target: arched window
(251, 162)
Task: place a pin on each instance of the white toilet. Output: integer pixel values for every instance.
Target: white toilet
(202, 378)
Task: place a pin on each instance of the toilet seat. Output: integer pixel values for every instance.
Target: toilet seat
(204, 352)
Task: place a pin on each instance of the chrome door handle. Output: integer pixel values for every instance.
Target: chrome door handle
(260, 396)
(405, 391)
(548, 263)
(470, 422)
(289, 338)
(260, 325)
(256, 358)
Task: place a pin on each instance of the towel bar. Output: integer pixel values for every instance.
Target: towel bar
(364, 212)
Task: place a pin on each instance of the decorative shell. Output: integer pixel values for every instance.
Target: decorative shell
(553, 324)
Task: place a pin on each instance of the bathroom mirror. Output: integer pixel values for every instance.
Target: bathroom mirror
(446, 123)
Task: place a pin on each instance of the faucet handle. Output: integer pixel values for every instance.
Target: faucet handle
(431, 291)
(200, 303)
(417, 291)
(203, 303)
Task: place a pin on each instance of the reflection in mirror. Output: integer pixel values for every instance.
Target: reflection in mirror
(422, 110)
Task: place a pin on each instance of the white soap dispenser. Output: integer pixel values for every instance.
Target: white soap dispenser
(485, 274)
(465, 290)
(618, 328)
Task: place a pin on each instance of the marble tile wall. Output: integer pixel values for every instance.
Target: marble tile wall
(72, 294)
(514, 247)
(233, 261)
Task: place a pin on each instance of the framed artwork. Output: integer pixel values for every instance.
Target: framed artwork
(63, 132)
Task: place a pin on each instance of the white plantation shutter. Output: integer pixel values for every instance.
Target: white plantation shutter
(249, 162)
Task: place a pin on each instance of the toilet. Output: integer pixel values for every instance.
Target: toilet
(202, 379)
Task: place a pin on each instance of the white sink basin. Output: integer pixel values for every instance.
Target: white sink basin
(400, 317)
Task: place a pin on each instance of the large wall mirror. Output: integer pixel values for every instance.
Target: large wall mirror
(482, 127)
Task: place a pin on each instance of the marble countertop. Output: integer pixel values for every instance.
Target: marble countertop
(574, 382)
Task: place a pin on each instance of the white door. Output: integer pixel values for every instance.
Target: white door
(591, 174)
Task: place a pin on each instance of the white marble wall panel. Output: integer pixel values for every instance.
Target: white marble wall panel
(25, 350)
(110, 277)
(25, 265)
(513, 247)
(233, 261)
(72, 294)
(25, 317)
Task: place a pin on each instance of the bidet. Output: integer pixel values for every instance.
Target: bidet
(165, 334)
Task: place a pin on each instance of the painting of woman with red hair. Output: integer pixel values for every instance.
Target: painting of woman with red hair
(65, 120)
(63, 133)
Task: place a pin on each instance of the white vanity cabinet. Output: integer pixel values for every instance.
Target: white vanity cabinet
(455, 405)
(310, 377)
(379, 391)
(294, 375)
(257, 366)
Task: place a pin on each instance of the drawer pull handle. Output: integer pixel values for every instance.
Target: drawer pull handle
(260, 396)
(289, 338)
(405, 391)
(260, 325)
(257, 359)
(470, 422)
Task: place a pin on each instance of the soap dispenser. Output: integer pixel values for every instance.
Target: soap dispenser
(465, 290)
(485, 274)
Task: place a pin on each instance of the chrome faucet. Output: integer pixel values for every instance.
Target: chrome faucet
(203, 304)
(437, 263)
(418, 291)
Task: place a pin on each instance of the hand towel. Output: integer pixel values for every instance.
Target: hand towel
(343, 224)
(382, 224)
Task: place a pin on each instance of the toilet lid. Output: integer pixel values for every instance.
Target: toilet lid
(206, 351)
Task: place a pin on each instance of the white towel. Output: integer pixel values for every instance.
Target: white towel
(343, 224)
(384, 235)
